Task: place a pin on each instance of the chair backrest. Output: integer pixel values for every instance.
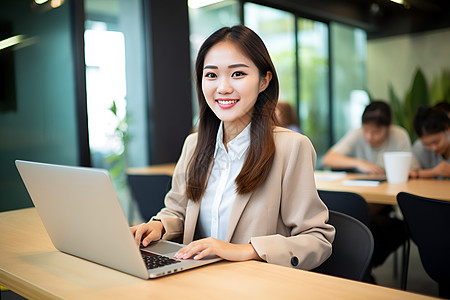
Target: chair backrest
(428, 222)
(352, 248)
(149, 191)
(349, 203)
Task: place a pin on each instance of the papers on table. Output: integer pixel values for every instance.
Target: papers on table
(328, 175)
(362, 182)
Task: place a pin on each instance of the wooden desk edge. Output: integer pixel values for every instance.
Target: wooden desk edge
(24, 288)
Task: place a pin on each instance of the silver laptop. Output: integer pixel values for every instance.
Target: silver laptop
(83, 217)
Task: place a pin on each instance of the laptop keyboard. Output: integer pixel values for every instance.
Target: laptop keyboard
(153, 261)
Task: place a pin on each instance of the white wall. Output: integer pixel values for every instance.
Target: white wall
(395, 60)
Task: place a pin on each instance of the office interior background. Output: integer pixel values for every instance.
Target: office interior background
(108, 83)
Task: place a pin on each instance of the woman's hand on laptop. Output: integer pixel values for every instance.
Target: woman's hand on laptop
(146, 233)
(211, 246)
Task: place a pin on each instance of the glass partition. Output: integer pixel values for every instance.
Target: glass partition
(42, 124)
(349, 77)
(205, 17)
(115, 88)
(277, 30)
(314, 81)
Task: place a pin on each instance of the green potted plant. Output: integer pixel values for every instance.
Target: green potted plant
(404, 110)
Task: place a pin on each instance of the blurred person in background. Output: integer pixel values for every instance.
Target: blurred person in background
(432, 148)
(362, 149)
(286, 116)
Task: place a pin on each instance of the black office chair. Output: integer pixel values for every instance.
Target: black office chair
(356, 206)
(428, 225)
(349, 203)
(149, 191)
(352, 248)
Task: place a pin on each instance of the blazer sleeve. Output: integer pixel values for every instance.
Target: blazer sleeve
(174, 213)
(309, 239)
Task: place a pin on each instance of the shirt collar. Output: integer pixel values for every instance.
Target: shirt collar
(237, 147)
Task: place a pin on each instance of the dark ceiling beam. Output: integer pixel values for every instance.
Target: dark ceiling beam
(419, 16)
(325, 10)
(379, 18)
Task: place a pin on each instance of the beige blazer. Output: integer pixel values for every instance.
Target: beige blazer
(284, 218)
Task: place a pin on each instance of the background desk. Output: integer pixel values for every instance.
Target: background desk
(30, 266)
(385, 193)
(166, 169)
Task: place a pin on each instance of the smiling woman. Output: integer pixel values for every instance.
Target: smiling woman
(231, 89)
(242, 186)
(223, 49)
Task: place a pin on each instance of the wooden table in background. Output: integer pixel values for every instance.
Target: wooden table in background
(33, 268)
(166, 169)
(385, 193)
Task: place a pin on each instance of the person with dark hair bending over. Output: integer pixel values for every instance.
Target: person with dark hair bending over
(444, 106)
(432, 148)
(243, 188)
(362, 149)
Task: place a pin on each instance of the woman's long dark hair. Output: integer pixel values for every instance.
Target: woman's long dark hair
(261, 152)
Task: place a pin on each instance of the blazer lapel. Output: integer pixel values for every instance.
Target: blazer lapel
(192, 211)
(236, 211)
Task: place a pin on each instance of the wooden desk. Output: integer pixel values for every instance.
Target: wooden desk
(30, 266)
(386, 193)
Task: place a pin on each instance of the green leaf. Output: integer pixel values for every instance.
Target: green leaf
(445, 84)
(418, 93)
(440, 88)
(417, 96)
(436, 91)
(396, 106)
(111, 159)
(117, 169)
(113, 108)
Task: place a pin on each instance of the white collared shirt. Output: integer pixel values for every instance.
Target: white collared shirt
(220, 191)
